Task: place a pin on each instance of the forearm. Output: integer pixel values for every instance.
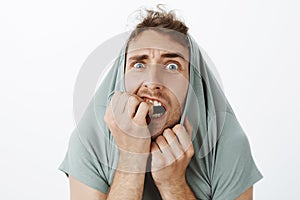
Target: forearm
(128, 182)
(176, 191)
(127, 186)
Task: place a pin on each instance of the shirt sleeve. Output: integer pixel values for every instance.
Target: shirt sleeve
(83, 166)
(234, 169)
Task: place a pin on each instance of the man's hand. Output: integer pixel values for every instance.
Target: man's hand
(171, 154)
(126, 119)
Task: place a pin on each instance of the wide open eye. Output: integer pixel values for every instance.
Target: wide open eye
(138, 65)
(172, 66)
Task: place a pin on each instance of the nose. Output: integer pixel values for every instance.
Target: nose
(152, 85)
(153, 80)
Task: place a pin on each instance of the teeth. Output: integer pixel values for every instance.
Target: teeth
(156, 103)
(157, 115)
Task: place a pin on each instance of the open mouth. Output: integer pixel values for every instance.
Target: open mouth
(157, 110)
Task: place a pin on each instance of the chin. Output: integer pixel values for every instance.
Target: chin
(155, 132)
(154, 136)
(157, 126)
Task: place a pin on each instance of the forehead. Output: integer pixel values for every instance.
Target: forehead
(150, 39)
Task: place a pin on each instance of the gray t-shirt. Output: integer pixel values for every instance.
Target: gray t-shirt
(222, 167)
(225, 173)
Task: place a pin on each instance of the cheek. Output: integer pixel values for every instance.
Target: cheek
(178, 86)
(132, 82)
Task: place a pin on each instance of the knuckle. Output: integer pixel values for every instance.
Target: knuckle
(107, 116)
(180, 159)
(143, 105)
(160, 162)
(170, 137)
(137, 97)
(181, 154)
(161, 142)
(160, 139)
(178, 128)
(171, 160)
(116, 95)
(190, 152)
(106, 120)
(113, 100)
(167, 132)
(133, 100)
(157, 158)
(125, 95)
(137, 121)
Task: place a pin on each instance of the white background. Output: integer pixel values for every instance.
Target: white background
(254, 44)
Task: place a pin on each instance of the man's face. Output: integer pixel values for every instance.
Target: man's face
(157, 70)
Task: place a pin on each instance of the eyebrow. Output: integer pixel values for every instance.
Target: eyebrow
(165, 55)
(139, 57)
(173, 55)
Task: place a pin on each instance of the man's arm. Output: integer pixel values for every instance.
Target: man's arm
(127, 184)
(247, 195)
(126, 119)
(177, 191)
(171, 154)
(129, 178)
(79, 191)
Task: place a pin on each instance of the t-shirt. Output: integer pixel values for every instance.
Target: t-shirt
(222, 167)
(225, 173)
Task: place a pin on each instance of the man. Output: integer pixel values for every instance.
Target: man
(160, 126)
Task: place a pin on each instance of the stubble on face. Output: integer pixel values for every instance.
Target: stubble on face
(172, 114)
(155, 82)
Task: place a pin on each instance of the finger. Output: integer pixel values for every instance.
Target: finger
(172, 140)
(157, 159)
(154, 147)
(142, 111)
(132, 105)
(120, 116)
(124, 100)
(118, 102)
(115, 98)
(188, 126)
(165, 149)
(183, 137)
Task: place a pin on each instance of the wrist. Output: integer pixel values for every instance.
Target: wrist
(130, 162)
(171, 182)
(168, 188)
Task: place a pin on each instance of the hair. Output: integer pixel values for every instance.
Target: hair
(162, 21)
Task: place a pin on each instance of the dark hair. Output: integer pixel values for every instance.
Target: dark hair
(164, 22)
